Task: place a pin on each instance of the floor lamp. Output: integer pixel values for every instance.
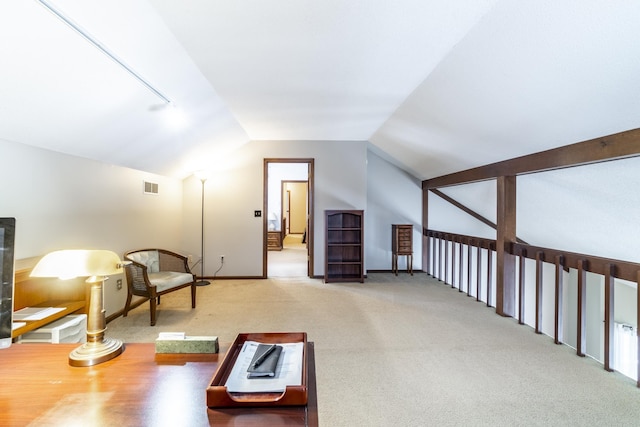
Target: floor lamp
(202, 282)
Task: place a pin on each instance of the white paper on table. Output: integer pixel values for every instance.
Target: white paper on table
(288, 370)
(35, 313)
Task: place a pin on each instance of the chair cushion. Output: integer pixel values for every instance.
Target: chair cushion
(150, 259)
(164, 280)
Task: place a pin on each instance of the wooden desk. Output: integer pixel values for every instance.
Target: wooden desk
(46, 292)
(137, 388)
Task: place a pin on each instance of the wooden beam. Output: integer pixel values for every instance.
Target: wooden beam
(426, 244)
(471, 212)
(624, 269)
(505, 236)
(617, 146)
(463, 208)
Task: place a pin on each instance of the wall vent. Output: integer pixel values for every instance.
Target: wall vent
(150, 187)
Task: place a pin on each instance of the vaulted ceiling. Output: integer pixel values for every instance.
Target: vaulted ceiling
(436, 86)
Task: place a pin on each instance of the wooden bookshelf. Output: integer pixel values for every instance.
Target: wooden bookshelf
(344, 246)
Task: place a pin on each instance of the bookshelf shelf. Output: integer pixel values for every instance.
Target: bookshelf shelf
(344, 248)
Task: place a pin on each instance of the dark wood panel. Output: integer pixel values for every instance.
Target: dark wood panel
(344, 245)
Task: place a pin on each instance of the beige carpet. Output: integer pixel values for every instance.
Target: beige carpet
(406, 351)
(291, 261)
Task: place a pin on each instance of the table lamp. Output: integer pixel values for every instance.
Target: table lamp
(96, 265)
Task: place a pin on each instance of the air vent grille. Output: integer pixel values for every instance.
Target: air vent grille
(150, 187)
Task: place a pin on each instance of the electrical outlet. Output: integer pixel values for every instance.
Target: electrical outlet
(119, 284)
(221, 259)
(190, 259)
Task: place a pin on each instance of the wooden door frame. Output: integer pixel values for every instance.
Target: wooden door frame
(310, 201)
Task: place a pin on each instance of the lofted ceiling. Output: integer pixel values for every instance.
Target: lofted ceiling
(435, 86)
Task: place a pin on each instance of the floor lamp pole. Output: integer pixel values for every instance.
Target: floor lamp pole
(202, 282)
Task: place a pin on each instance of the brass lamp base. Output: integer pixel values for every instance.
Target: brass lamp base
(93, 353)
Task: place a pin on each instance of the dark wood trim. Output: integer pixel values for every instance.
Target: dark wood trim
(453, 262)
(460, 270)
(521, 280)
(470, 212)
(609, 325)
(539, 265)
(478, 270)
(463, 208)
(624, 270)
(426, 244)
(506, 234)
(469, 253)
(489, 276)
(616, 146)
(440, 243)
(581, 346)
(558, 333)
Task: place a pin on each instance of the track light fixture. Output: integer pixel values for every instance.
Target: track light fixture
(96, 43)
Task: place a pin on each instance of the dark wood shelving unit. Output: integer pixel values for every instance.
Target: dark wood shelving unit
(344, 246)
(402, 244)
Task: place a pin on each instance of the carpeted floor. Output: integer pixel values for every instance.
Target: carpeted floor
(406, 351)
(291, 261)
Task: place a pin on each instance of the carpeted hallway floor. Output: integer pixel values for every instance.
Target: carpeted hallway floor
(291, 261)
(406, 351)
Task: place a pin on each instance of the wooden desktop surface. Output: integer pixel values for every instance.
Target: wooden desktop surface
(137, 388)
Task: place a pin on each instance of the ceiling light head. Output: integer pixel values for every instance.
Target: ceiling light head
(174, 117)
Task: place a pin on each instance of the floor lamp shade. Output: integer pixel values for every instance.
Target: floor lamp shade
(96, 265)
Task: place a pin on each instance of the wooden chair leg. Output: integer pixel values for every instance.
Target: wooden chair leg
(152, 302)
(193, 295)
(127, 305)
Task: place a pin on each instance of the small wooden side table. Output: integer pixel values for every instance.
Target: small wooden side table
(402, 244)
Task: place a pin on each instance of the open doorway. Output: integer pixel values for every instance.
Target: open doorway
(288, 219)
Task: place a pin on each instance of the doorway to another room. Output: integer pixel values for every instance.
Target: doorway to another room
(288, 222)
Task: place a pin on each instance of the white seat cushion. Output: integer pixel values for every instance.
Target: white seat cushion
(150, 259)
(164, 280)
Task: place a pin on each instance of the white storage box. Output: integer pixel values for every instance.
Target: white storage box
(69, 329)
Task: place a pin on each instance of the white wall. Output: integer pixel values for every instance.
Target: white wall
(64, 202)
(67, 202)
(393, 197)
(235, 190)
(277, 173)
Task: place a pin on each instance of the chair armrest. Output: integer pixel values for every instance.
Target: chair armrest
(137, 277)
(171, 261)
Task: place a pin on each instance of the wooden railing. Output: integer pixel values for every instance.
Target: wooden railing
(446, 252)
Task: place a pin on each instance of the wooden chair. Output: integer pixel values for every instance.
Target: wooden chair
(155, 272)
